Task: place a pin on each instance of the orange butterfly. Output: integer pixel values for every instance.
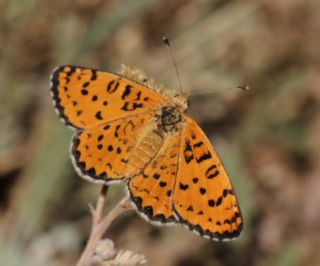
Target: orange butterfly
(128, 128)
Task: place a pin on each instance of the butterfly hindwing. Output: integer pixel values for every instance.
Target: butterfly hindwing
(203, 197)
(85, 97)
(108, 152)
(151, 191)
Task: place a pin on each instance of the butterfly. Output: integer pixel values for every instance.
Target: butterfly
(128, 127)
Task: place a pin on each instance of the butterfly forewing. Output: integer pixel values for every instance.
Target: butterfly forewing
(203, 197)
(86, 97)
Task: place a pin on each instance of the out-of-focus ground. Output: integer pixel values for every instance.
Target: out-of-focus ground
(268, 138)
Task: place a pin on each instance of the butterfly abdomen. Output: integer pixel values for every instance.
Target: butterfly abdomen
(145, 150)
(152, 139)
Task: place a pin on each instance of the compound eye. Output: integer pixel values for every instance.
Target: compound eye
(188, 103)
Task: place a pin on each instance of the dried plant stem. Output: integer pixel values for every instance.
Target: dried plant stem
(99, 226)
(97, 212)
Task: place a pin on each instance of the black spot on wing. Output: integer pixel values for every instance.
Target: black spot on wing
(129, 106)
(198, 144)
(112, 86)
(116, 132)
(183, 186)
(138, 96)
(211, 203)
(84, 92)
(188, 153)
(190, 208)
(94, 74)
(202, 191)
(69, 73)
(205, 154)
(195, 180)
(85, 84)
(148, 210)
(98, 115)
(126, 92)
(212, 172)
(203, 157)
(125, 161)
(219, 201)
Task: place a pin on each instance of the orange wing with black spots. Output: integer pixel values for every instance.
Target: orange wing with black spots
(117, 149)
(151, 191)
(203, 196)
(124, 130)
(86, 97)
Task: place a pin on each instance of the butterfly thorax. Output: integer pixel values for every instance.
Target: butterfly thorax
(169, 119)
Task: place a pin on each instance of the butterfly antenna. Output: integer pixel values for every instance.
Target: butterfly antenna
(238, 88)
(167, 44)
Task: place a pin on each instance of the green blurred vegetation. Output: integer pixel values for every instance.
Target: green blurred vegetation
(268, 137)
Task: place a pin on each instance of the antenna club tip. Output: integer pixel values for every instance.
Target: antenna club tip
(166, 41)
(244, 88)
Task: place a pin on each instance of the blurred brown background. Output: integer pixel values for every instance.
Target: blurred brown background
(268, 137)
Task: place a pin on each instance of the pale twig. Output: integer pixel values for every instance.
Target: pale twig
(97, 212)
(99, 226)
